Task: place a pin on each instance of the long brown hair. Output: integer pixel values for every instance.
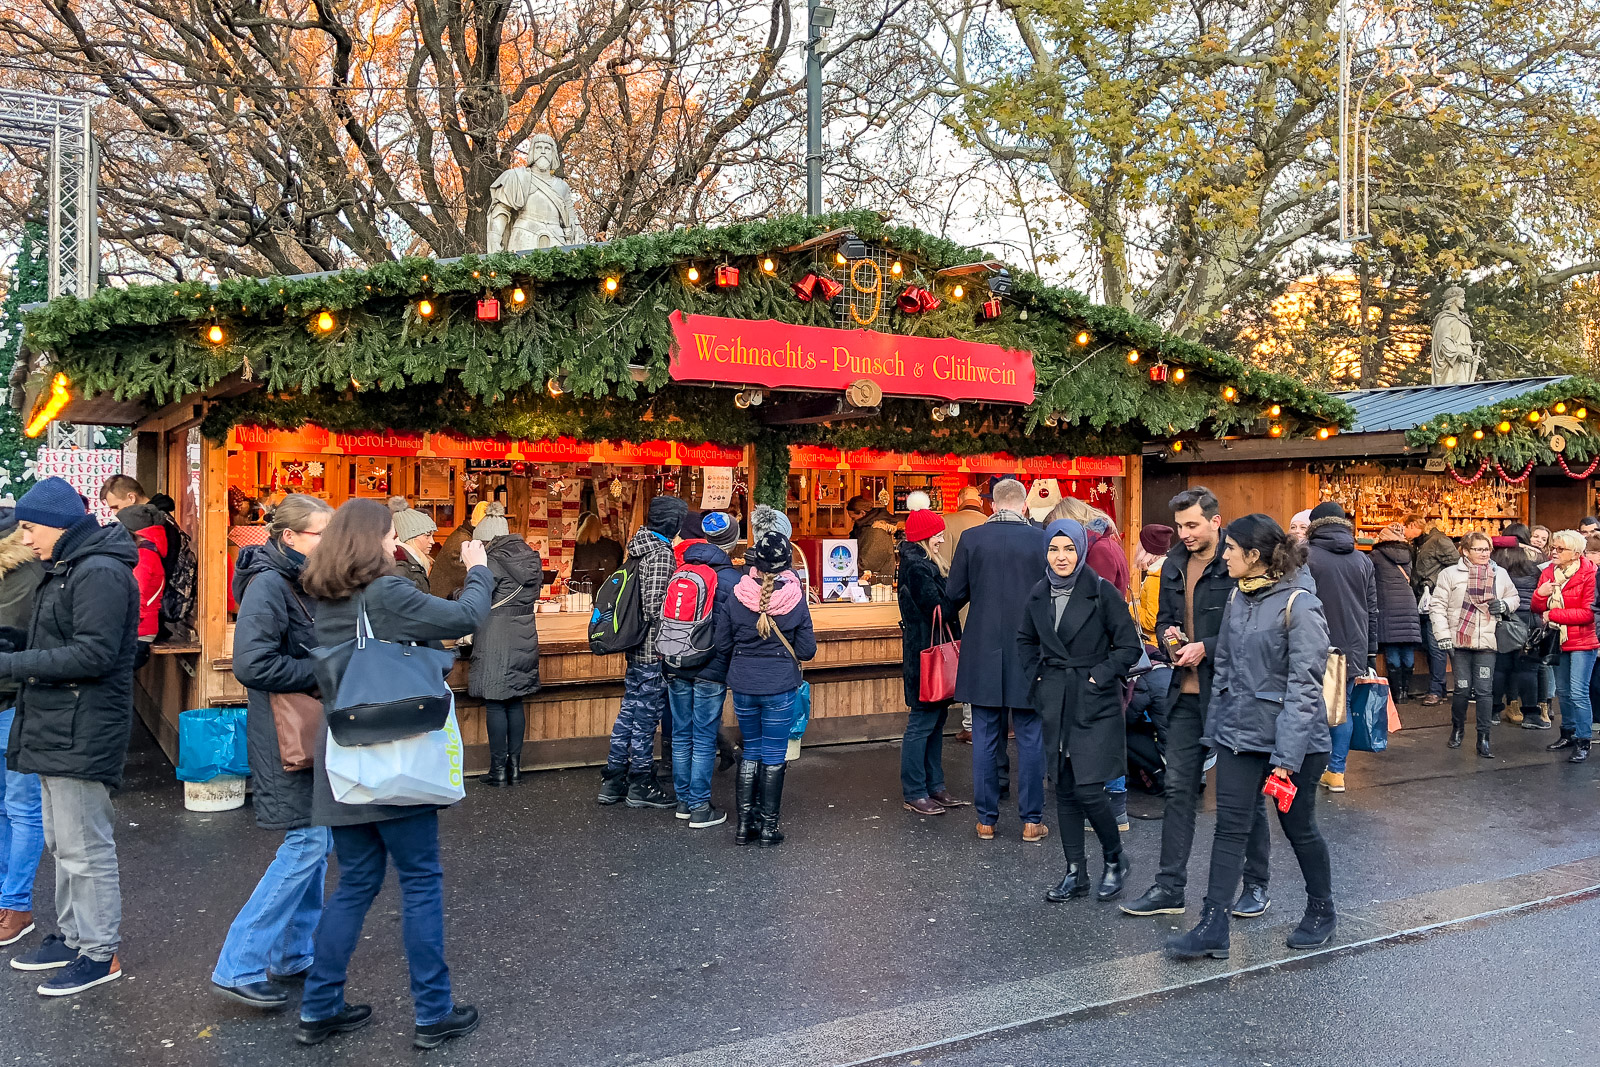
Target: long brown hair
(350, 556)
(763, 608)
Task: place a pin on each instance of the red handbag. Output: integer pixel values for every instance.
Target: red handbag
(937, 684)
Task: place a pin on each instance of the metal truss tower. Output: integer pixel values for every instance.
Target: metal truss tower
(60, 126)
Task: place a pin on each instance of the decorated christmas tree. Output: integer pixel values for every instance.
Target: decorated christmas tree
(29, 283)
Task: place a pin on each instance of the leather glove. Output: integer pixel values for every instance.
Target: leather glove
(1498, 607)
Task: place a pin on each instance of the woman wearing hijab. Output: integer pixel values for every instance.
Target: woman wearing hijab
(1565, 598)
(1079, 642)
(1468, 601)
(1266, 719)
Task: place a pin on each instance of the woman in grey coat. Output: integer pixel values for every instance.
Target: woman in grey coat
(1267, 719)
(505, 649)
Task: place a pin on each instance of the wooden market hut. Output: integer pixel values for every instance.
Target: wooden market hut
(1473, 456)
(795, 362)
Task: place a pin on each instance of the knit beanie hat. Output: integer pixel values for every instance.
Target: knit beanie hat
(771, 554)
(52, 502)
(921, 525)
(397, 504)
(492, 525)
(1155, 539)
(765, 519)
(1328, 509)
(720, 528)
(689, 528)
(412, 523)
(666, 515)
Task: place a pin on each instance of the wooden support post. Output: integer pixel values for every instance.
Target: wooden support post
(212, 549)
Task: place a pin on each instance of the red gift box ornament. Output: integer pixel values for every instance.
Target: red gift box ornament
(727, 277)
(488, 309)
(1158, 372)
(916, 299)
(991, 308)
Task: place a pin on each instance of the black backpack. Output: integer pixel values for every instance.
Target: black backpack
(178, 597)
(618, 623)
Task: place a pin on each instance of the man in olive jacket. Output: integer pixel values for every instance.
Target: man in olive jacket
(1195, 588)
(74, 711)
(1434, 551)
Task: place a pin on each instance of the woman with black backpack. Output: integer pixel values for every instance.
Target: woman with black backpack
(766, 629)
(351, 575)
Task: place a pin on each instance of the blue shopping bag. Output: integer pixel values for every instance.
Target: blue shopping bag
(1369, 715)
(802, 711)
(211, 743)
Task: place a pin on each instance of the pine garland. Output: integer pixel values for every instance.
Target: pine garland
(1522, 441)
(29, 283)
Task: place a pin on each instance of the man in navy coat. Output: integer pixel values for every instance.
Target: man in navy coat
(995, 568)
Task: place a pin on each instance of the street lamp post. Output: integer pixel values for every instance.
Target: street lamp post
(818, 18)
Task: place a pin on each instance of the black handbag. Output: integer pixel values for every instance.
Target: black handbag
(1511, 634)
(389, 690)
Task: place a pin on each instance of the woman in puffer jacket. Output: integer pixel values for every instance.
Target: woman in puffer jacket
(504, 668)
(1266, 719)
(1565, 598)
(1469, 601)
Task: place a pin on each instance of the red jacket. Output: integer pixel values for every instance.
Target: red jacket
(1106, 558)
(1578, 614)
(151, 574)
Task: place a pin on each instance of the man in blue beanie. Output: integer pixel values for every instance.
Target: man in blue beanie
(74, 712)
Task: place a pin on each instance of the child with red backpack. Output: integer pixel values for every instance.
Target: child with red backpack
(696, 670)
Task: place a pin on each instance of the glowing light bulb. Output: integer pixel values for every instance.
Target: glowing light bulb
(1504, 427)
(958, 292)
(1179, 375)
(1450, 442)
(694, 274)
(215, 335)
(325, 322)
(1275, 410)
(1133, 355)
(518, 296)
(896, 268)
(768, 265)
(612, 283)
(1477, 435)
(1083, 337)
(425, 308)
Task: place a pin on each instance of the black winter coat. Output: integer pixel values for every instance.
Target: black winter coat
(1210, 599)
(1079, 667)
(272, 654)
(398, 612)
(716, 668)
(410, 569)
(1347, 589)
(75, 707)
(1267, 695)
(921, 590)
(1398, 620)
(995, 568)
(505, 649)
(874, 534)
(761, 666)
(20, 575)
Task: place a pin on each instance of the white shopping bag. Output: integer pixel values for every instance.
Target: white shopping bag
(425, 769)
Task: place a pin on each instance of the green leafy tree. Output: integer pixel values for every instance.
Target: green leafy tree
(29, 283)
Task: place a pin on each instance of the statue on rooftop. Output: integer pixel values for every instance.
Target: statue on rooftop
(1455, 354)
(532, 208)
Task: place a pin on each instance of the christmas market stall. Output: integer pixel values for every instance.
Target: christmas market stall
(801, 362)
(1475, 456)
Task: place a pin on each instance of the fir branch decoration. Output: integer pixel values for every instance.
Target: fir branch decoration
(1522, 441)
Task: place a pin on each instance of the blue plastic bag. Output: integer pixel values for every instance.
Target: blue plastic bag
(212, 742)
(1369, 715)
(802, 711)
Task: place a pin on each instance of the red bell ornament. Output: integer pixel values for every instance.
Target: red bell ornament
(806, 287)
(916, 299)
(828, 287)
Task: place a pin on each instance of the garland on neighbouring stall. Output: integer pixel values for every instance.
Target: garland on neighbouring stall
(576, 320)
(1543, 427)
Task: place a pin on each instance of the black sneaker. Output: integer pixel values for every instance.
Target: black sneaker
(645, 792)
(353, 1017)
(52, 953)
(82, 973)
(1157, 901)
(461, 1021)
(684, 811)
(706, 817)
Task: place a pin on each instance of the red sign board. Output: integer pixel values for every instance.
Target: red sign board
(557, 450)
(814, 457)
(453, 447)
(872, 459)
(381, 443)
(992, 463)
(1100, 466)
(934, 462)
(653, 453)
(709, 455)
(308, 438)
(779, 355)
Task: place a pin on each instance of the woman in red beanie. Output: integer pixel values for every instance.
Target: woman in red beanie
(923, 569)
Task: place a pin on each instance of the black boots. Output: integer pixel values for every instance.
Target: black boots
(771, 800)
(613, 785)
(1208, 938)
(1456, 733)
(1115, 877)
(1483, 745)
(1252, 902)
(1075, 883)
(725, 754)
(1158, 901)
(1582, 753)
(514, 769)
(1566, 740)
(1316, 929)
(745, 824)
(497, 773)
(645, 792)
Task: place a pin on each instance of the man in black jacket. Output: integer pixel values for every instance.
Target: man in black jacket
(74, 711)
(1348, 590)
(995, 568)
(1195, 588)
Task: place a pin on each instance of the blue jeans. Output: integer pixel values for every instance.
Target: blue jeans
(1436, 659)
(274, 931)
(696, 713)
(21, 828)
(1341, 734)
(765, 722)
(1572, 689)
(922, 751)
(1397, 657)
(989, 744)
(364, 850)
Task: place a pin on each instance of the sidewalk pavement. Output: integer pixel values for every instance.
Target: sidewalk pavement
(596, 936)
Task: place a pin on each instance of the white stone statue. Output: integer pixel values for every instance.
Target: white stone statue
(1455, 356)
(530, 207)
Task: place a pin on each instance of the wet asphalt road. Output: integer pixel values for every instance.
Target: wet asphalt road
(592, 936)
